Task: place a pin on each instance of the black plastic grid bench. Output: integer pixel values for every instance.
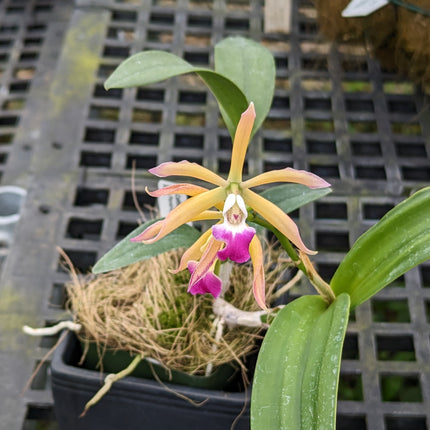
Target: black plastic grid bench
(73, 146)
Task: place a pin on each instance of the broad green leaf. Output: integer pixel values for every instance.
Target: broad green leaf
(127, 252)
(153, 66)
(290, 197)
(252, 68)
(297, 372)
(394, 245)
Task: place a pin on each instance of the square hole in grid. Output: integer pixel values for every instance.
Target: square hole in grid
(121, 33)
(350, 422)
(427, 310)
(362, 126)
(99, 135)
(103, 113)
(281, 102)
(390, 310)
(39, 417)
(115, 51)
(415, 173)
(326, 171)
(147, 116)
(197, 58)
(326, 270)
(183, 140)
(315, 63)
(366, 148)
(29, 56)
(233, 23)
(317, 103)
(331, 210)
(350, 386)
(150, 95)
(319, 125)
(85, 229)
(395, 347)
(202, 21)
(49, 341)
(320, 146)
(58, 296)
(424, 271)
(405, 423)
(124, 229)
(192, 97)
(86, 196)
(132, 201)
(408, 128)
(397, 387)
(124, 16)
(105, 70)
(191, 119)
(332, 241)
(277, 144)
(410, 149)
(401, 105)
(354, 65)
(162, 18)
(375, 211)
(95, 159)
(359, 104)
(159, 36)
(275, 163)
(277, 123)
(82, 260)
(224, 166)
(198, 39)
(144, 138)
(139, 161)
(238, 5)
(19, 87)
(350, 349)
(308, 28)
(317, 84)
(15, 104)
(9, 120)
(367, 171)
(357, 86)
(281, 63)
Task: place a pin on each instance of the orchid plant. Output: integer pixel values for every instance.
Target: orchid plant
(296, 377)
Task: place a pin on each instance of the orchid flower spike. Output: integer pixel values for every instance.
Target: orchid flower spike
(227, 202)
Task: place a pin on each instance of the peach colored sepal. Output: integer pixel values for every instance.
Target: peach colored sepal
(194, 252)
(187, 189)
(149, 232)
(259, 287)
(277, 217)
(287, 175)
(185, 168)
(240, 143)
(187, 211)
(206, 262)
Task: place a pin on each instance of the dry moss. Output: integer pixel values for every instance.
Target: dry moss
(145, 309)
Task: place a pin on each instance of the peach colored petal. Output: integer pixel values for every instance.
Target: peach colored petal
(206, 262)
(208, 215)
(187, 189)
(287, 175)
(277, 217)
(240, 143)
(149, 232)
(185, 168)
(259, 288)
(188, 211)
(194, 252)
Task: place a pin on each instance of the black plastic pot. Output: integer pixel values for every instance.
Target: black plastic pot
(137, 403)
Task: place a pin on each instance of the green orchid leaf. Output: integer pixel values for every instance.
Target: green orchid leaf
(252, 68)
(297, 372)
(394, 245)
(154, 66)
(290, 197)
(127, 252)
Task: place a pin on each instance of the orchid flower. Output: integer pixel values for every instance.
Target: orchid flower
(230, 238)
